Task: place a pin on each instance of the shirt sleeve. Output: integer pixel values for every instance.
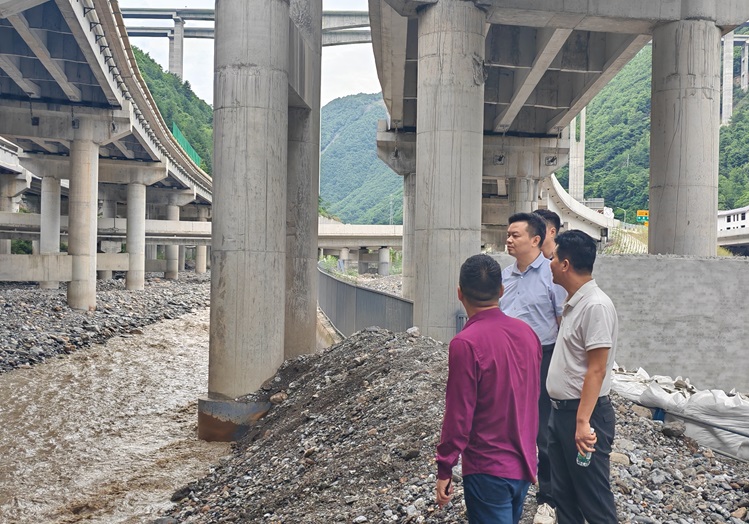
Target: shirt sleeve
(460, 403)
(558, 298)
(598, 327)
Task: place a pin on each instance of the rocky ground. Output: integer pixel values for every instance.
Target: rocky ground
(353, 437)
(37, 324)
(390, 284)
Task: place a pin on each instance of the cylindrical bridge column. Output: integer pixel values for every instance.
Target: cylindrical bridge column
(83, 203)
(201, 251)
(136, 236)
(49, 233)
(684, 161)
(172, 250)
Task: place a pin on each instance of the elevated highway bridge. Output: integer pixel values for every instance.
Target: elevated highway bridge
(479, 95)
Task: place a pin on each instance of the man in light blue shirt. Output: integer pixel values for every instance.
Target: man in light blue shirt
(531, 296)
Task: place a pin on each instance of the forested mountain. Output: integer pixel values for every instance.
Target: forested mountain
(355, 185)
(177, 103)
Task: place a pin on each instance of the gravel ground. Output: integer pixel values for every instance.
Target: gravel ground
(37, 324)
(353, 441)
(390, 284)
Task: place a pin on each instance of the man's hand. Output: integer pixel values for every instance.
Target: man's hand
(444, 491)
(583, 438)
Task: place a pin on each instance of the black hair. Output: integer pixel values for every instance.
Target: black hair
(577, 247)
(481, 280)
(550, 217)
(536, 225)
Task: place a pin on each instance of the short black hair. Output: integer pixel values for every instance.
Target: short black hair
(577, 247)
(481, 280)
(550, 217)
(536, 225)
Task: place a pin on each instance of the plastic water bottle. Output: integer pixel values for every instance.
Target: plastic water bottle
(584, 460)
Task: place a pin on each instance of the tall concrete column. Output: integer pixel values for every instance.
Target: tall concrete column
(151, 251)
(727, 109)
(383, 266)
(303, 180)
(200, 251)
(82, 227)
(363, 261)
(6, 205)
(176, 48)
(249, 209)
(172, 251)
(181, 257)
(449, 145)
(343, 258)
(577, 158)
(745, 67)
(108, 210)
(49, 232)
(683, 162)
(409, 209)
(136, 236)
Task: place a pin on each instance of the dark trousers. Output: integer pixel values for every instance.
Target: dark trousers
(582, 494)
(544, 495)
(494, 500)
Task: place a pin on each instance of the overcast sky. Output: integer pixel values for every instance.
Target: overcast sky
(346, 70)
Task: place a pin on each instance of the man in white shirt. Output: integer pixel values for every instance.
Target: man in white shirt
(578, 383)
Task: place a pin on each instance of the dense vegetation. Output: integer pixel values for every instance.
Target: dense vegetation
(178, 103)
(355, 185)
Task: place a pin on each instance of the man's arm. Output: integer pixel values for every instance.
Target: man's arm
(460, 403)
(597, 359)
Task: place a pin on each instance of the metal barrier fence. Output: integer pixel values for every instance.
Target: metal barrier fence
(352, 308)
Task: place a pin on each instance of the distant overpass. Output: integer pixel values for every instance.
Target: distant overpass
(338, 28)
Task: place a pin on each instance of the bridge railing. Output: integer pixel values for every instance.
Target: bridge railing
(352, 308)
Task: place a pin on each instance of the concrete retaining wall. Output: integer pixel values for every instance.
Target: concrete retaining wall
(680, 316)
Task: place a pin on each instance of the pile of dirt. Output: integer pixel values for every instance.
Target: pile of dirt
(354, 436)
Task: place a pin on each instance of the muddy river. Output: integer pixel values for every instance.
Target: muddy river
(106, 434)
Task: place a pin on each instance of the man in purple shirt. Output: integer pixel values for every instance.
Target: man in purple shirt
(491, 402)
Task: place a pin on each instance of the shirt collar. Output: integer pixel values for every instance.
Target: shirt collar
(535, 264)
(585, 289)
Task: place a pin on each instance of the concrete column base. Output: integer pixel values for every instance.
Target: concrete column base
(228, 420)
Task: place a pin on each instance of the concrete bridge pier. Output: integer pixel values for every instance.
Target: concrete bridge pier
(521, 193)
(745, 67)
(108, 210)
(172, 251)
(181, 257)
(177, 48)
(200, 251)
(409, 210)
(449, 142)
(383, 267)
(136, 236)
(248, 280)
(577, 158)
(684, 163)
(83, 192)
(49, 231)
(727, 109)
(303, 179)
(11, 186)
(343, 258)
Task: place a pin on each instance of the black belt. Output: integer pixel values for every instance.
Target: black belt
(570, 405)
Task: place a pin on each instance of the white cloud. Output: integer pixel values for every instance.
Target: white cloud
(346, 70)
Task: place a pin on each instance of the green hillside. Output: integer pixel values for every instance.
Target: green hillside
(178, 103)
(355, 185)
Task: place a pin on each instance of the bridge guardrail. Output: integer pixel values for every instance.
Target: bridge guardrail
(352, 308)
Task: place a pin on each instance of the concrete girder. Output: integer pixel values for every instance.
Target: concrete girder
(56, 125)
(633, 16)
(110, 171)
(619, 54)
(333, 20)
(10, 64)
(76, 18)
(36, 40)
(548, 44)
(346, 37)
(389, 43)
(169, 197)
(397, 150)
(11, 186)
(13, 7)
